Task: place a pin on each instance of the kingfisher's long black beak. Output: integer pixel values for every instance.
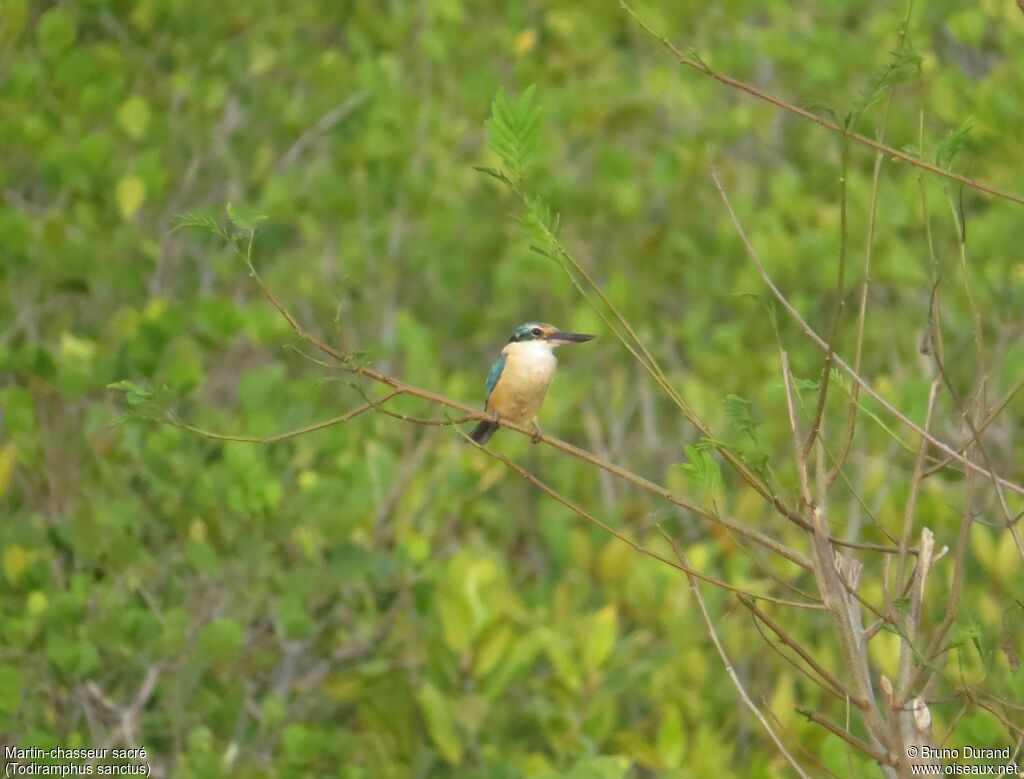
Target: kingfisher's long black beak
(569, 338)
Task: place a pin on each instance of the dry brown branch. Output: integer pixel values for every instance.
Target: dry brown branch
(869, 245)
(636, 347)
(270, 439)
(989, 419)
(833, 685)
(1011, 524)
(701, 67)
(744, 695)
(580, 512)
(806, 752)
(838, 579)
(861, 746)
(926, 669)
(915, 484)
(473, 414)
(851, 414)
(1015, 731)
(854, 375)
(837, 316)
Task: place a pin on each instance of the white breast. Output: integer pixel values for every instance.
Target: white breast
(534, 357)
(529, 367)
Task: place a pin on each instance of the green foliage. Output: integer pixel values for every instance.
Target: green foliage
(440, 723)
(740, 415)
(954, 142)
(514, 130)
(702, 466)
(904, 65)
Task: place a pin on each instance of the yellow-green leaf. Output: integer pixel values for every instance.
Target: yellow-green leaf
(492, 649)
(6, 468)
(670, 737)
(56, 31)
(599, 638)
(133, 116)
(440, 724)
(37, 602)
(17, 560)
(556, 647)
(457, 621)
(131, 194)
(12, 682)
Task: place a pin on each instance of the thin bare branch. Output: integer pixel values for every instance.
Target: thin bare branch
(849, 738)
(869, 245)
(701, 67)
(695, 589)
(582, 513)
(833, 684)
(837, 316)
(270, 439)
(989, 419)
(821, 343)
(915, 485)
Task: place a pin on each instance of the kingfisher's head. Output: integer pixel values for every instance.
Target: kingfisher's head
(545, 333)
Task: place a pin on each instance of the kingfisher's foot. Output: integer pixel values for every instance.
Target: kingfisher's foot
(496, 419)
(535, 438)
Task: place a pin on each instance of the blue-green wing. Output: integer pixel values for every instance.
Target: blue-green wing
(495, 374)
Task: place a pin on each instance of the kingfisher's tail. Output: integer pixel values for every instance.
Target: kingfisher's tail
(483, 431)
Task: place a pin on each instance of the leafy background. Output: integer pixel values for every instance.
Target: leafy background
(379, 600)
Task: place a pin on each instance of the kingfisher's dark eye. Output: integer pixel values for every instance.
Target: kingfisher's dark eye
(536, 331)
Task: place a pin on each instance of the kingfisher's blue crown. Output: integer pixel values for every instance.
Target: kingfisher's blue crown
(532, 331)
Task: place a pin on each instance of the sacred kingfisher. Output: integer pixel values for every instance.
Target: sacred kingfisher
(519, 380)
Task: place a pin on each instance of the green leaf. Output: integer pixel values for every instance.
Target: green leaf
(670, 737)
(599, 638)
(131, 194)
(541, 221)
(515, 664)
(556, 647)
(457, 620)
(56, 31)
(604, 767)
(220, 641)
(493, 648)
(133, 116)
(242, 219)
(440, 723)
(11, 683)
(806, 385)
(903, 66)
(134, 394)
(17, 560)
(954, 142)
(293, 619)
(193, 219)
(741, 416)
(130, 386)
(15, 13)
(701, 464)
(514, 130)
(8, 455)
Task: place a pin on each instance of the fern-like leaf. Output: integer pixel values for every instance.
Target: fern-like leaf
(514, 130)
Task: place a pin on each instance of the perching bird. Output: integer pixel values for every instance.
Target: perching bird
(519, 379)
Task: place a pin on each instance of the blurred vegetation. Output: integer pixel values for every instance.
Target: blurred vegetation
(378, 600)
